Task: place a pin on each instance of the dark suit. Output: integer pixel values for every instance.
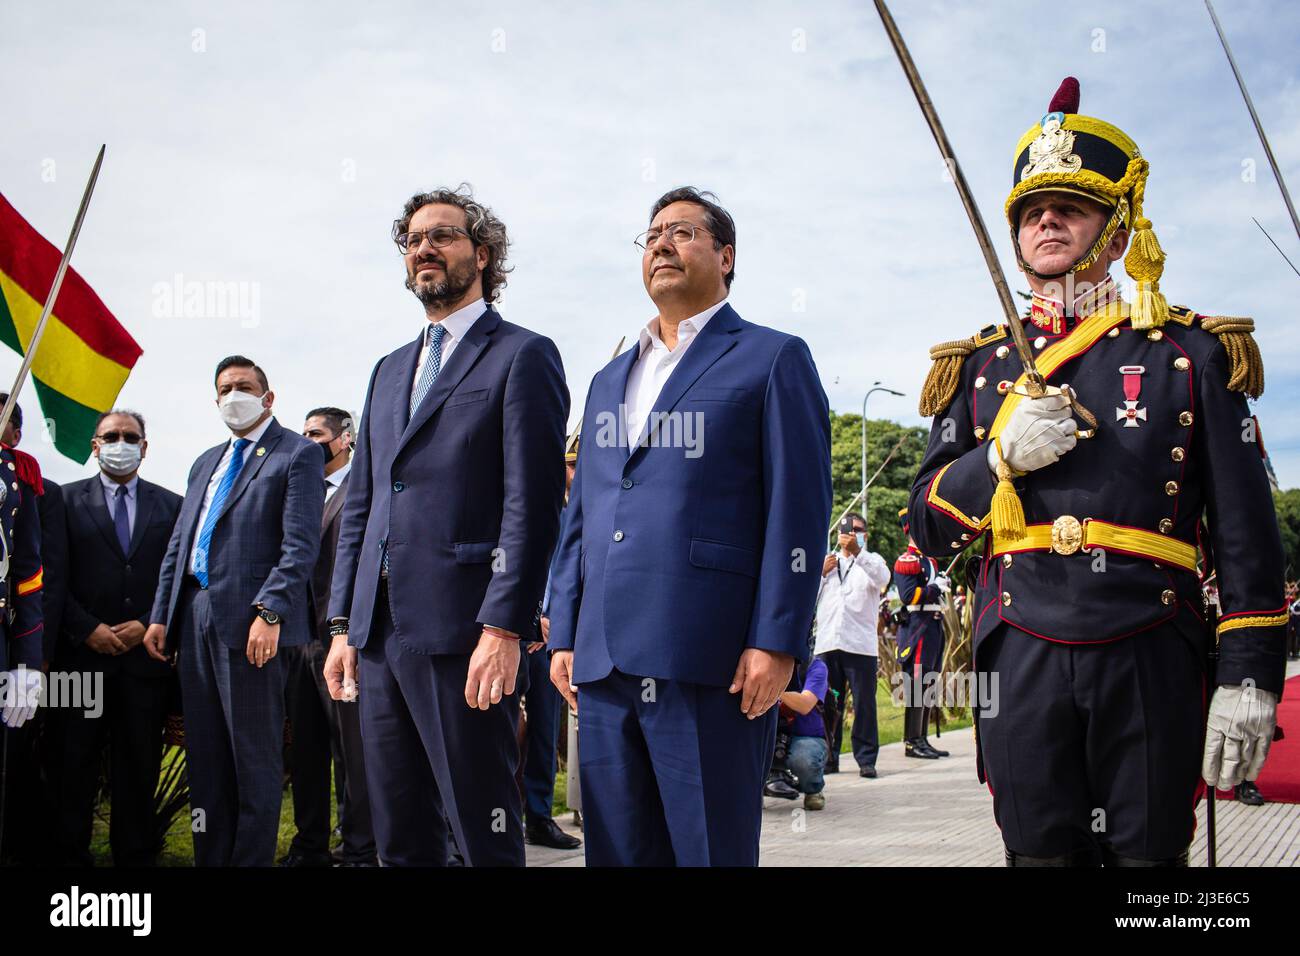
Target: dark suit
(670, 565)
(263, 547)
(326, 730)
(109, 587)
(465, 496)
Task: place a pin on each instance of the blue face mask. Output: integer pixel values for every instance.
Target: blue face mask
(862, 540)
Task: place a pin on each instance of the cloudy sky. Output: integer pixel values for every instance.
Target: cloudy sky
(270, 146)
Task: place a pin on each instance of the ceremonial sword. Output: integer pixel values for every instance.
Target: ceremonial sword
(1035, 385)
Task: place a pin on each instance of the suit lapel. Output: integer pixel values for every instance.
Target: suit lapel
(716, 338)
(335, 504)
(256, 455)
(405, 363)
(461, 361)
(144, 500)
(99, 512)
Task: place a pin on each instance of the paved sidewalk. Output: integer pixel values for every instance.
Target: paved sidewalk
(935, 813)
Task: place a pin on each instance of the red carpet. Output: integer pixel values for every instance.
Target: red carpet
(1279, 781)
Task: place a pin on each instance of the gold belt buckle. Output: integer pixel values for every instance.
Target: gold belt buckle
(1067, 534)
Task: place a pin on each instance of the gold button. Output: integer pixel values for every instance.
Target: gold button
(1040, 342)
(11, 465)
(1113, 333)
(981, 382)
(1155, 335)
(1182, 364)
(1166, 525)
(1002, 351)
(1167, 596)
(1184, 418)
(980, 432)
(1006, 560)
(965, 537)
(1006, 598)
(1003, 387)
(1171, 487)
(1177, 454)
(954, 544)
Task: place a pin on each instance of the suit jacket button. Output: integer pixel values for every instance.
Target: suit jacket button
(627, 483)
(398, 486)
(126, 602)
(1167, 596)
(618, 535)
(1006, 598)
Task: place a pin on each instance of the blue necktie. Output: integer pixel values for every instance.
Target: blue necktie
(214, 509)
(121, 522)
(429, 372)
(432, 366)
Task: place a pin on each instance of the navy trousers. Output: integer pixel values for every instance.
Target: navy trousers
(856, 674)
(672, 773)
(431, 759)
(234, 740)
(540, 761)
(1094, 744)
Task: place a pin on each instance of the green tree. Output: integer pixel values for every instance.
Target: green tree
(1287, 505)
(891, 488)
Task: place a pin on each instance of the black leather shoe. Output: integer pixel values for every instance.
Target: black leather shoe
(548, 833)
(868, 772)
(831, 768)
(778, 786)
(293, 858)
(917, 748)
(1249, 794)
(936, 750)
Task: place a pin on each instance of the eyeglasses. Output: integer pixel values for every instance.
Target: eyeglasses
(678, 233)
(109, 438)
(438, 236)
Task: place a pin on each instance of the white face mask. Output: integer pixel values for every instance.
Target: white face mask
(239, 409)
(119, 458)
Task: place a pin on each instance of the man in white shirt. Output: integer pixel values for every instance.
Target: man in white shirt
(848, 609)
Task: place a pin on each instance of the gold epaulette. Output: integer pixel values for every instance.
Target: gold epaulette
(945, 374)
(1245, 364)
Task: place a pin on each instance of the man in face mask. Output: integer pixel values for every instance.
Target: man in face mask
(233, 590)
(118, 529)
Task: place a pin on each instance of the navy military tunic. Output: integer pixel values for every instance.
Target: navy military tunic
(20, 589)
(920, 638)
(1095, 621)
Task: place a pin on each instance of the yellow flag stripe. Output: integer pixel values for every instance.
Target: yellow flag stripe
(64, 361)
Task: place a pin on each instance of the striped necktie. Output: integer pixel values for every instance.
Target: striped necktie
(214, 510)
(432, 366)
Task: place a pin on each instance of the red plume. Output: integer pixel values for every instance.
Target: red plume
(1066, 99)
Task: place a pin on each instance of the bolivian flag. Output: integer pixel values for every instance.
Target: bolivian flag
(84, 356)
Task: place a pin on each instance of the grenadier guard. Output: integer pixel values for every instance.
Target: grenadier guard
(1089, 620)
(920, 643)
(21, 620)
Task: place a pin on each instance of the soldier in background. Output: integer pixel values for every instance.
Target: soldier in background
(921, 590)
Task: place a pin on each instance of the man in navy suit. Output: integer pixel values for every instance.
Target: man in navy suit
(233, 589)
(450, 519)
(690, 556)
(119, 526)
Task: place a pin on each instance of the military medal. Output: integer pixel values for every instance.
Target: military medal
(1130, 414)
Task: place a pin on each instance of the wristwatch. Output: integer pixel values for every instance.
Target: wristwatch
(270, 617)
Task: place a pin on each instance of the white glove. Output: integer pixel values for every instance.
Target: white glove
(1237, 735)
(942, 583)
(1038, 433)
(20, 693)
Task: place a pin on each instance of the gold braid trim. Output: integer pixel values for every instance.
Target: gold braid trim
(1246, 371)
(945, 375)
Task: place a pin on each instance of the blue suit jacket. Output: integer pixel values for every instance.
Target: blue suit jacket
(264, 543)
(672, 563)
(465, 495)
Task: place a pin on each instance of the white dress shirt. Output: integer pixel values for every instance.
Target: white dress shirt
(457, 325)
(653, 366)
(110, 498)
(333, 481)
(253, 438)
(848, 606)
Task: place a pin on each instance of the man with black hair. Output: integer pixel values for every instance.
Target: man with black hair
(232, 592)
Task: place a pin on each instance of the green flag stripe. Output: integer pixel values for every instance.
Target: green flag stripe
(70, 424)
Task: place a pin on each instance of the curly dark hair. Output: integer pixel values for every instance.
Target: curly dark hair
(484, 228)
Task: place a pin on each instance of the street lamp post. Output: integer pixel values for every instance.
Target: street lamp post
(876, 387)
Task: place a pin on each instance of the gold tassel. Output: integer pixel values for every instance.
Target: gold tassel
(1145, 263)
(1008, 514)
(1245, 364)
(945, 375)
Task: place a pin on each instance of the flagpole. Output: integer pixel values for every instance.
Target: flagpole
(29, 353)
(1259, 127)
